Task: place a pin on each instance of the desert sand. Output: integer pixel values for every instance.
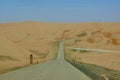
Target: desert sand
(20, 39)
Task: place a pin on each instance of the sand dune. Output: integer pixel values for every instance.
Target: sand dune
(20, 39)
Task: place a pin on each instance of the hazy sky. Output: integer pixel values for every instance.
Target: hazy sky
(60, 10)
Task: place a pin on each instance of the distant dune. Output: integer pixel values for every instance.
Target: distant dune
(20, 39)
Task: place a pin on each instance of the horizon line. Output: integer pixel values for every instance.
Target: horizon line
(58, 22)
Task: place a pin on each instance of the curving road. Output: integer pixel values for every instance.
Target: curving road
(58, 69)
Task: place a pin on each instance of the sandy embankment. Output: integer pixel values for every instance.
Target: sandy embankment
(19, 40)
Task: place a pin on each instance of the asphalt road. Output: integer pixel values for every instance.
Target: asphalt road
(58, 69)
(93, 50)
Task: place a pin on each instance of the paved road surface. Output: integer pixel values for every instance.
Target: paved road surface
(58, 69)
(94, 50)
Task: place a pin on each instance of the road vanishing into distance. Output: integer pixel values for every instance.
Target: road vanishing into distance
(58, 69)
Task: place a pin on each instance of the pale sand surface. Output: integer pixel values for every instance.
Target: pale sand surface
(19, 40)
